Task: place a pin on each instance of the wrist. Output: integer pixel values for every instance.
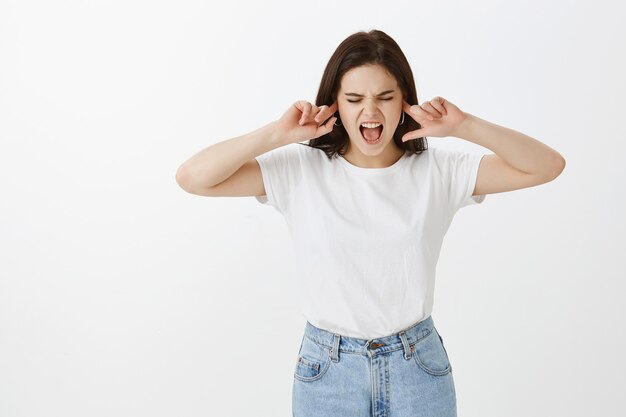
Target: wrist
(274, 135)
(466, 126)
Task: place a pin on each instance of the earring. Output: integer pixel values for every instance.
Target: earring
(402, 118)
(336, 121)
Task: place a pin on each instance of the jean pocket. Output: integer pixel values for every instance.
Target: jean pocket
(430, 354)
(313, 361)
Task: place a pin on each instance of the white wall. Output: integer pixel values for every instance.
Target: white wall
(120, 294)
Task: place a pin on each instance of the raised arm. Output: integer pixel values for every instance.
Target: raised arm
(203, 172)
(229, 168)
(518, 161)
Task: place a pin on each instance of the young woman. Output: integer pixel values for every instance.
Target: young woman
(368, 204)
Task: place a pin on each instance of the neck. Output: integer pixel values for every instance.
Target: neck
(388, 157)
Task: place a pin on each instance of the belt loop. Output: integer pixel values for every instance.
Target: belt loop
(334, 351)
(408, 350)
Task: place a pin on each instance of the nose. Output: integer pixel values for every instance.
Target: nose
(369, 107)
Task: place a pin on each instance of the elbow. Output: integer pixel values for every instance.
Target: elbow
(182, 179)
(553, 170)
(558, 167)
(188, 181)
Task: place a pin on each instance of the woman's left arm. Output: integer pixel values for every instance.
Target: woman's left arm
(518, 161)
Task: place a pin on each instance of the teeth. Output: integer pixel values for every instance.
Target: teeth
(371, 125)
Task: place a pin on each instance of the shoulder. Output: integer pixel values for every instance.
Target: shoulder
(442, 155)
(311, 153)
(282, 154)
(296, 148)
(293, 157)
(446, 159)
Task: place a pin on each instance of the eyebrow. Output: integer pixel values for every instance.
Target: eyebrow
(378, 95)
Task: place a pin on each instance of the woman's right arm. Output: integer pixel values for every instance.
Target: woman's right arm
(205, 171)
(229, 168)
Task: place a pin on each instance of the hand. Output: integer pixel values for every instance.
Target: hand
(304, 121)
(438, 117)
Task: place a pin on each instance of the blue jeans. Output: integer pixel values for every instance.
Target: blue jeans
(401, 375)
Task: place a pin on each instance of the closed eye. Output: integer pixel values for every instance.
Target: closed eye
(356, 101)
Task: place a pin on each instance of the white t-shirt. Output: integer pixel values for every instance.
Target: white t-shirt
(367, 240)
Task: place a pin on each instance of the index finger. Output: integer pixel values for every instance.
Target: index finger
(326, 112)
(333, 107)
(406, 107)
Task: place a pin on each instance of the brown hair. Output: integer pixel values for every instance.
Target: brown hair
(362, 48)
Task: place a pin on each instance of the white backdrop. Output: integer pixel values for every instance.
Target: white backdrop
(123, 295)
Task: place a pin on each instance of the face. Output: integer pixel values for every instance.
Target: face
(370, 94)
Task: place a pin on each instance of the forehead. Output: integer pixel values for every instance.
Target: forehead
(367, 78)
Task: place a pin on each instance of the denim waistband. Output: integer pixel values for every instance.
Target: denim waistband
(401, 339)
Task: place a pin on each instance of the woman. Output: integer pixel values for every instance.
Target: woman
(368, 205)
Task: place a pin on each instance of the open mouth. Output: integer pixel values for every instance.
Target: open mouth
(371, 136)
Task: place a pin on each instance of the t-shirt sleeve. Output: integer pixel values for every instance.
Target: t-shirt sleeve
(459, 172)
(281, 171)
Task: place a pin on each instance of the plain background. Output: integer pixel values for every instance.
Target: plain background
(121, 294)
